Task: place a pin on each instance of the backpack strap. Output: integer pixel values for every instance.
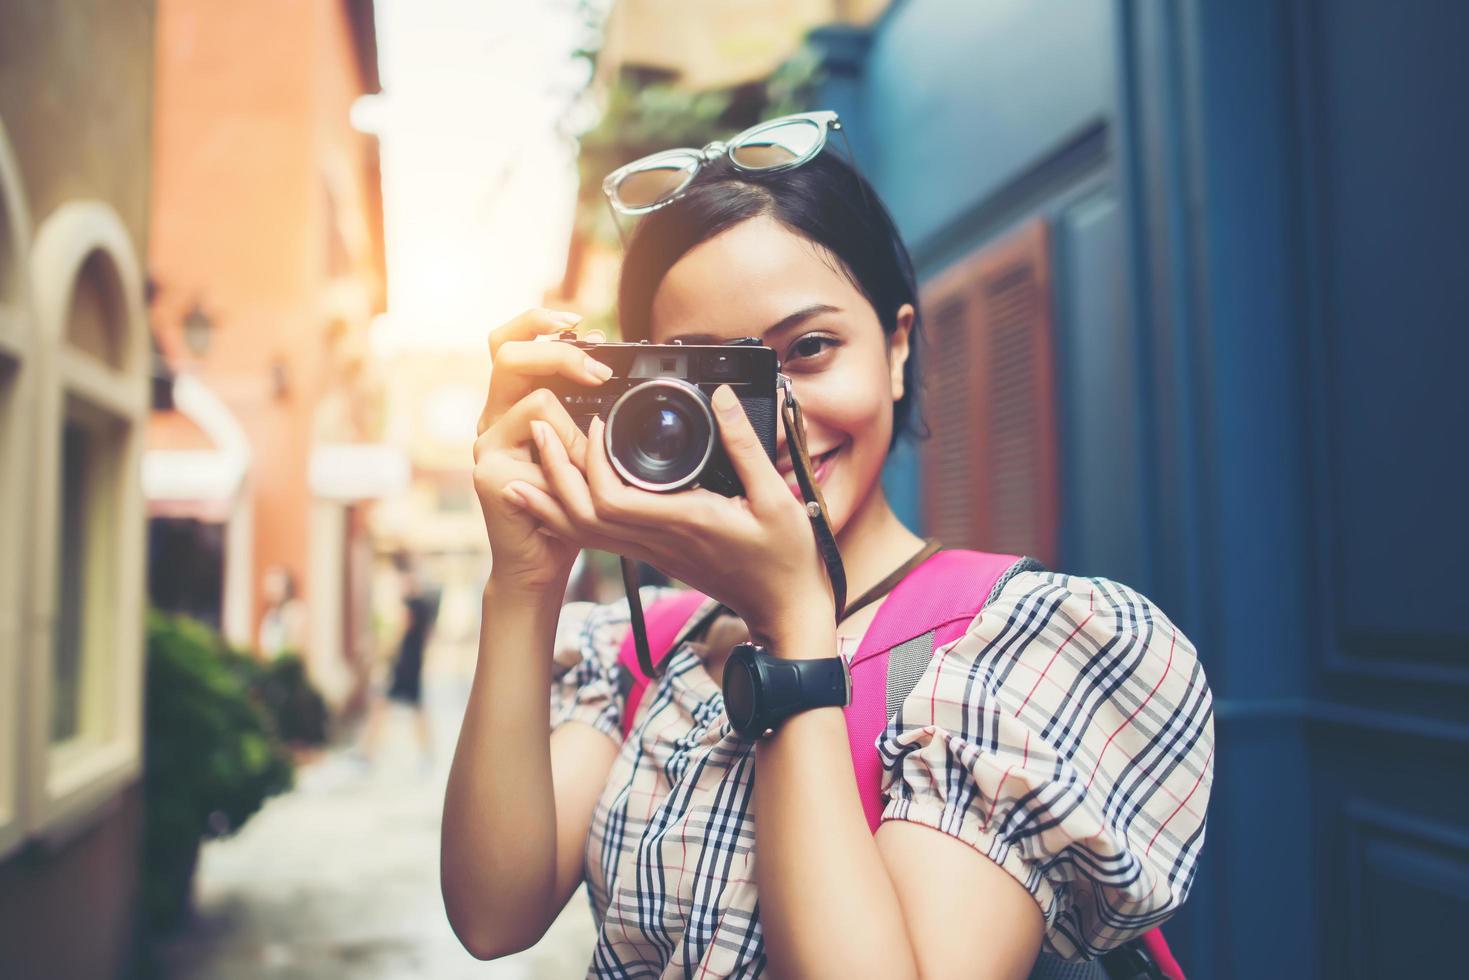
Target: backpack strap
(908, 661)
(665, 620)
(933, 605)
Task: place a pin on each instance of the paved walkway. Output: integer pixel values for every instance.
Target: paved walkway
(339, 879)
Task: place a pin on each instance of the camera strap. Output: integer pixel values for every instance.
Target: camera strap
(826, 544)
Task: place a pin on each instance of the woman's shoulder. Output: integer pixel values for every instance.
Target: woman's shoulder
(1049, 645)
(1046, 642)
(1036, 598)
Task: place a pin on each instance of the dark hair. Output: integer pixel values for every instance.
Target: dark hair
(825, 201)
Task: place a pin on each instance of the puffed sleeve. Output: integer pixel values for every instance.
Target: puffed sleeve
(1067, 736)
(585, 683)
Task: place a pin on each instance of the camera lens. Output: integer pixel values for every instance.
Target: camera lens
(663, 436)
(660, 434)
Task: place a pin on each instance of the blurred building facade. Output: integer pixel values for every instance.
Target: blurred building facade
(1196, 274)
(267, 266)
(75, 110)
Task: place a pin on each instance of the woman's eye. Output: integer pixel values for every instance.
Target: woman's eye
(808, 347)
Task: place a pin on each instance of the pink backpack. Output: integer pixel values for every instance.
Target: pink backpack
(932, 606)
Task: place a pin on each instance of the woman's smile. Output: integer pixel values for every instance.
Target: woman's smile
(820, 467)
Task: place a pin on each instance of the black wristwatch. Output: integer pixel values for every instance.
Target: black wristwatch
(762, 690)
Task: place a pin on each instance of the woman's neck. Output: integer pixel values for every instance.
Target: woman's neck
(873, 542)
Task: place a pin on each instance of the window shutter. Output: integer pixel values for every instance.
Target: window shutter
(990, 467)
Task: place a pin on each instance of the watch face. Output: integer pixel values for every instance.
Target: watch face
(739, 693)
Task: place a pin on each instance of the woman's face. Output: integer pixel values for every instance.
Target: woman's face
(759, 279)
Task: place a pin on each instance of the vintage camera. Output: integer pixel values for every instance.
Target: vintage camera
(660, 429)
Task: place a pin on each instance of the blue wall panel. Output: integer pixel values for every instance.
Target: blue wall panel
(1393, 251)
(1104, 518)
(961, 97)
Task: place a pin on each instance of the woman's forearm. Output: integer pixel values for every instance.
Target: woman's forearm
(498, 851)
(827, 905)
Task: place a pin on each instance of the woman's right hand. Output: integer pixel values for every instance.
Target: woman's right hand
(523, 558)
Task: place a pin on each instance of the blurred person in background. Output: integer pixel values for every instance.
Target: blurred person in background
(1033, 777)
(283, 624)
(405, 686)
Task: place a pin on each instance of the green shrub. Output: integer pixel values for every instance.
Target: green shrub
(297, 710)
(211, 757)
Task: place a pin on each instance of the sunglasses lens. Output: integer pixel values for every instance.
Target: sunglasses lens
(784, 144)
(644, 188)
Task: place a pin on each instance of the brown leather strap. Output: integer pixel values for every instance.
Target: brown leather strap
(826, 543)
(930, 547)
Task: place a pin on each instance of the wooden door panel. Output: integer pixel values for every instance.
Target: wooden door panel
(990, 401)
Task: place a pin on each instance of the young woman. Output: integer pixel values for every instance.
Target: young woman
(1047, 778)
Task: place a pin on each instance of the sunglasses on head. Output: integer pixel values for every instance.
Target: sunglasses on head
(659, 179)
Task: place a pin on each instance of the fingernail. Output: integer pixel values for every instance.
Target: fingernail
(567, 317)
(513, 496)
(598, 370)
(724, 399)
(538, 433)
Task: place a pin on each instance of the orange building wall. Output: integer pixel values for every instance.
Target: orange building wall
(251, 127)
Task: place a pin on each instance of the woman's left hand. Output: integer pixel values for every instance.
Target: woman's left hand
(756, 554)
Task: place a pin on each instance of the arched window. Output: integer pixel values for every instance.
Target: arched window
(17, 366)
(87, 540)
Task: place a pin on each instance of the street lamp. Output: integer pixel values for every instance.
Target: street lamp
(198, 329)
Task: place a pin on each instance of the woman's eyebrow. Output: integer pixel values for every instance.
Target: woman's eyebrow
(799, 317)
(784, 323)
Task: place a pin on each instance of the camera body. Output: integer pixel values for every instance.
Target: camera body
(661, 433)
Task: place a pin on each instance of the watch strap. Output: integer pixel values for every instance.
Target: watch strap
(793, 686)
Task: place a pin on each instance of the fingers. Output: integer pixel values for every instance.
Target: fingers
(514, 427)
(530, 325)
(569, 487)
(520, 366)
(539, 504)
(763, 483)
(564, 478)
(491, 478)
(602, 480)
(545, 359)
(556, 521)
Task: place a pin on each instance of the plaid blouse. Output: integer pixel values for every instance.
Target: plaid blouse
(1067, 736)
